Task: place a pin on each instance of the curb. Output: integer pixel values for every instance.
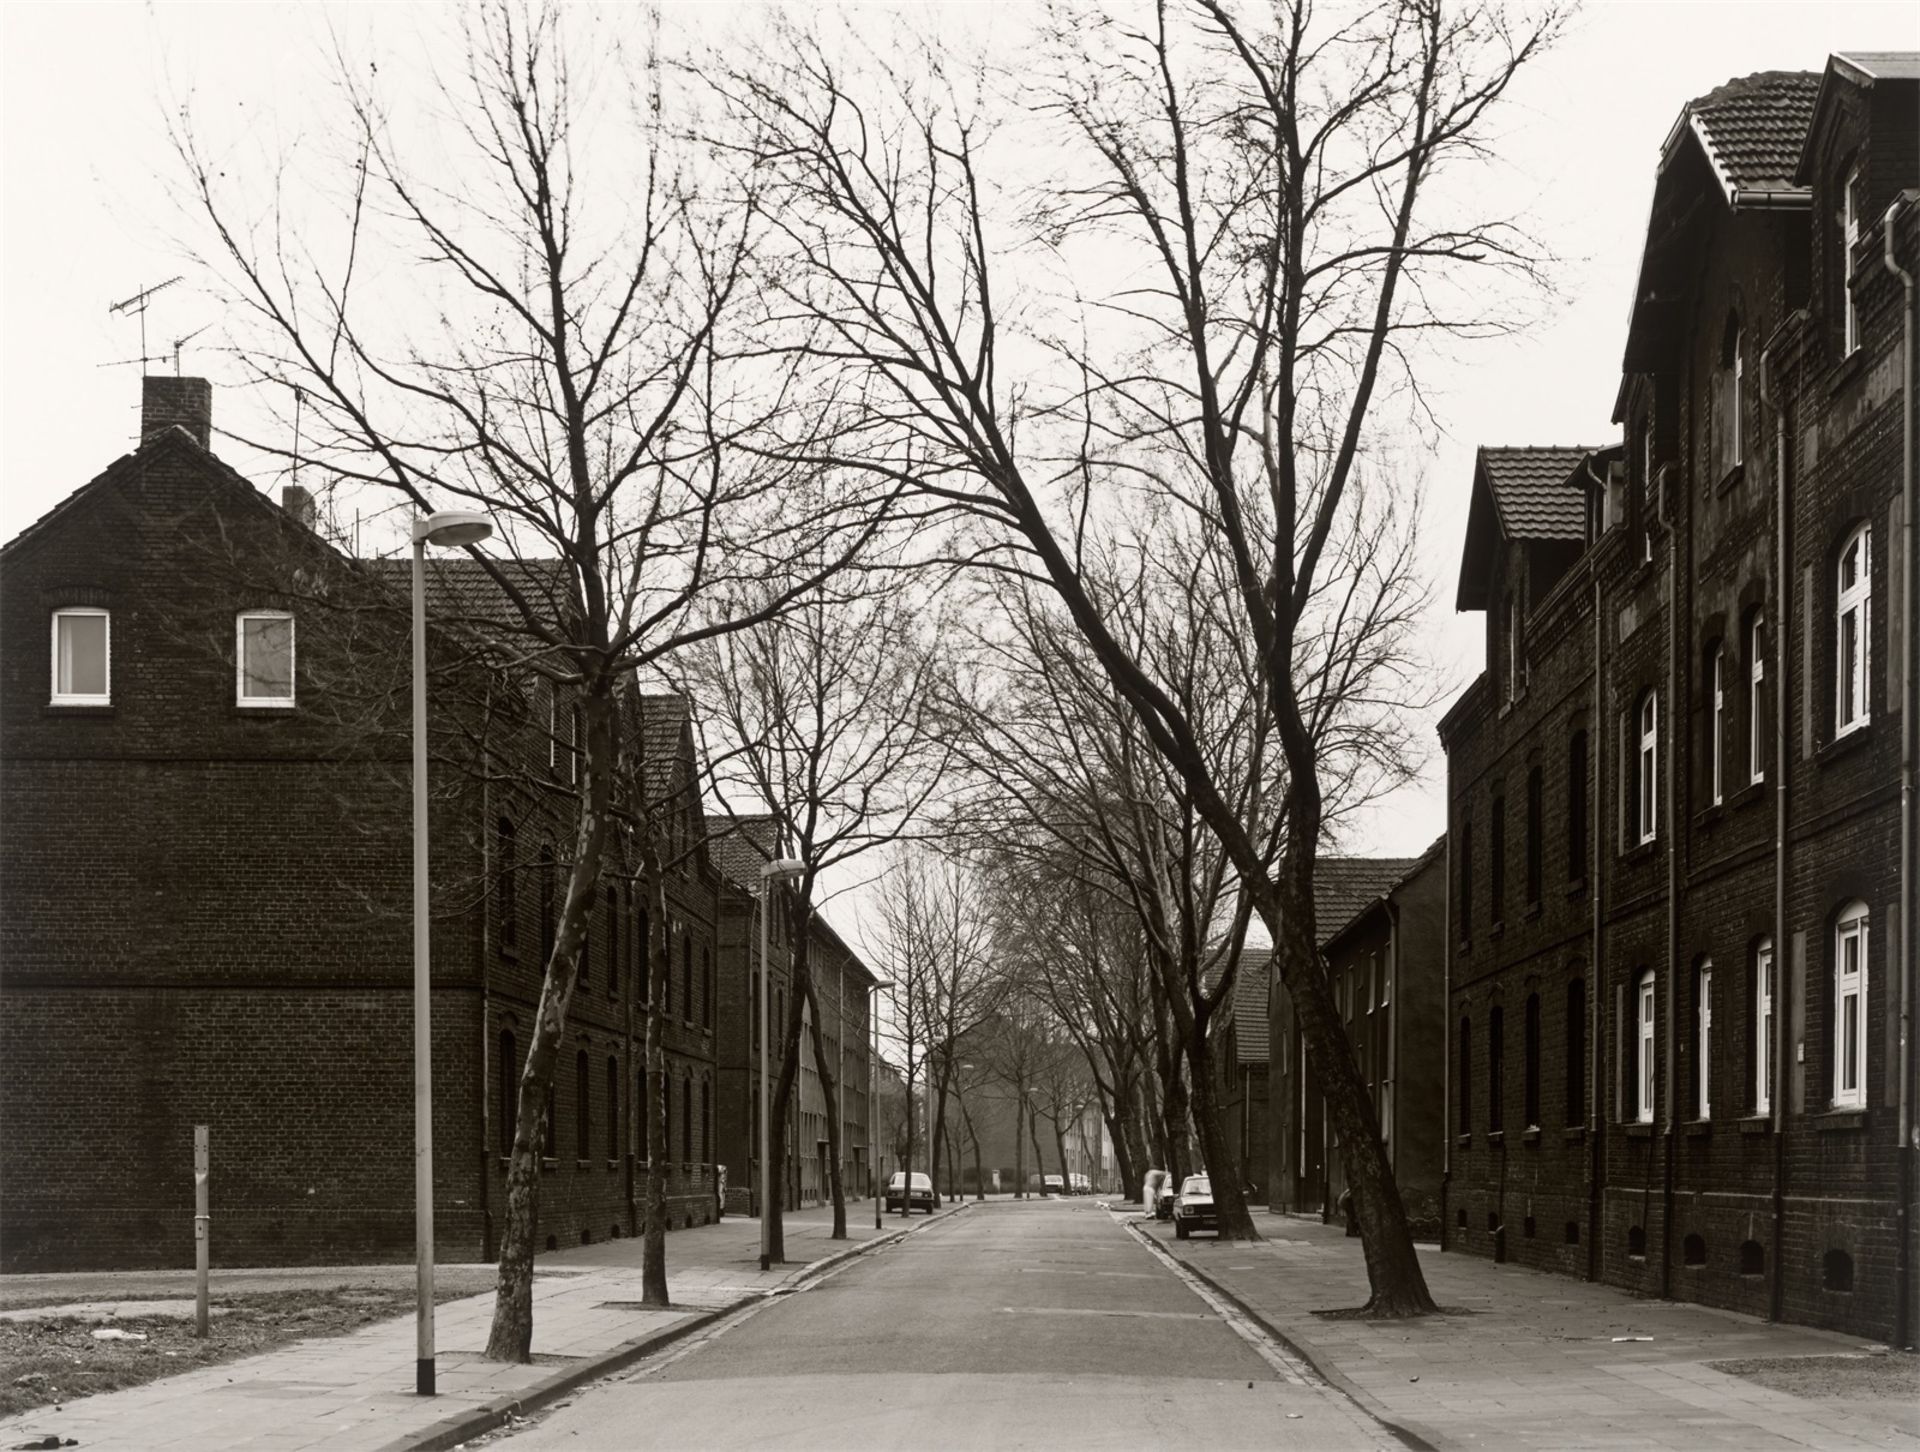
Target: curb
(1322, 1365)
(451, 1431)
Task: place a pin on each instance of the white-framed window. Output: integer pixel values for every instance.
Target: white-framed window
(1648, 505)
(1850, 1005)
(1643, 1062)
(1511, 625)
(1763, 1026)
(1716, 745)
(82, 657)
(1756, 697)
(1703, 1039)
(1853, 621)
(263, 658)
(1647, 768)
(1849, 236)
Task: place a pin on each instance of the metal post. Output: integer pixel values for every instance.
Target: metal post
(202, 1227)
(422, 1005)
(873, 1105)
(766, 1130)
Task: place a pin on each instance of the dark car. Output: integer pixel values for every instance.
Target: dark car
(1163, 1197)
(920, 1197)
(1193, 1207)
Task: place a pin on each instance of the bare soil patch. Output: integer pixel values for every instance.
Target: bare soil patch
(1886, 1376)
(59, 1360)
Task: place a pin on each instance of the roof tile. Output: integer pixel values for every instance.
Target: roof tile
(1754, 126)
(1531, 493)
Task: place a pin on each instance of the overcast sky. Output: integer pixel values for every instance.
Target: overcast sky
(84, 222)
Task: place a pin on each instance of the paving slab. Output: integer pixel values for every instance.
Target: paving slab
(1529, 1360)
(355, 1391)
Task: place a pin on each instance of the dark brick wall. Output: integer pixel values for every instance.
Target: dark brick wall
(1685, 1204)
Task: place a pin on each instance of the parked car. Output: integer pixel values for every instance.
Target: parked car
(1159, 1194)
(1053, 1184)
(920, 1197)
(1193, 1207)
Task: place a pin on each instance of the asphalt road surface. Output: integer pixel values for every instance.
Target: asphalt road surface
(1016, 1324)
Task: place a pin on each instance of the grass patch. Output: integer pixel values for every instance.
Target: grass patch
(52, 1362)
(1871, 1377)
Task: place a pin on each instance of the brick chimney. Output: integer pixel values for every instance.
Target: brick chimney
(297, 502)
(187, 402)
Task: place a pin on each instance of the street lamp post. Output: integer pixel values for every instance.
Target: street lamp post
(873, 1097)
(780, 868)
(448, 528)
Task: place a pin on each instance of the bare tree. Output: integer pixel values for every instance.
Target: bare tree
(539, 328)
(1271, 209)
(824, 715)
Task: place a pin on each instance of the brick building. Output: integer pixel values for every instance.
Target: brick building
(1240, 1054)
(203, 718)
(1680, 959)
(843, 989)
(1380, 929)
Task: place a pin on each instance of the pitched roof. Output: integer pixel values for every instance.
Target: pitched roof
(1862, 68)
(1330, 928)
(661, 719)
(1520, 492)
(1250, 991)
(461, 590)
(1342, 886)
(1752, 129)
(740, 846)
(1531, 493)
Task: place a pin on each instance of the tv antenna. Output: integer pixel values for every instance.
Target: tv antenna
(179, 343)
(138, 304)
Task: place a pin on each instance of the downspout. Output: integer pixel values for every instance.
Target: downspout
(1596, 815)
(1446, 1029)
(1674, 969)
(488, 1133)
(1782, 1018)
(1909, 668)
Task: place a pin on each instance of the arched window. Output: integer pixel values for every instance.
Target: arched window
(1643, 1080)
(1757, 696)
(1850, 1005)
(1466, 1076)
(687, 1010)
(549, 1128)
(643, 971)
(613, 1107)
(583, 1101)
(506, 914)
(1716, 723)
(509, 1089)
(1853, 620)
(1703, 1039)
(1536, 808)
(1576, 1065)
(614, 966)
(706, 985)
(1466, 876)
(1530, 1070)
(546, 901)
(686, 1121)
(1646, 768)
(1497, 866)
(1763, 1026)
(1496, 1070)
(706, 1121)
(666, 977)
(1577, 806)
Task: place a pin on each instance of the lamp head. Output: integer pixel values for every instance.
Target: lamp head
(781, 867)
(450, 528)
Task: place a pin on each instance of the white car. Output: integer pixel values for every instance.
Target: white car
(1193, 1207)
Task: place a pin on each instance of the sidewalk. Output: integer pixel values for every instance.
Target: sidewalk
(1532, 1362)
(356, 1391)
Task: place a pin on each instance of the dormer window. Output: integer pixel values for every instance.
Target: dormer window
(263, 658)
(1730, 412)
(82, 674)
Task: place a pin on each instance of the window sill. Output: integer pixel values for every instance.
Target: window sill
(99, 710)
(1466, 946)
(1497, 932)
(549, 1165)
(1752, 792)
(1839, 1121)
(1533, 911)
(1496, 1139)
(1574, 1133)
(1530, 1135)
(1464, 1141)
(1639, 1129)
(1641, 851)
(580, 1167)
(1577, 887)
(1731, 479)
(1846, 370)
(1709, 815)
(1843, 744)
(1697, 1128)
(613, 1163)
(265, 708)
(1757, 1124)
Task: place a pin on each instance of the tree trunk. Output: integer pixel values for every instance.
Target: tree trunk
(1393, 1267)
(510, 1337)
(798, 987)
(659, 960)
(1224, 1169)
(1019, 1144)
(1039, 1161)
(835, 1188)
(1060, 1148)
